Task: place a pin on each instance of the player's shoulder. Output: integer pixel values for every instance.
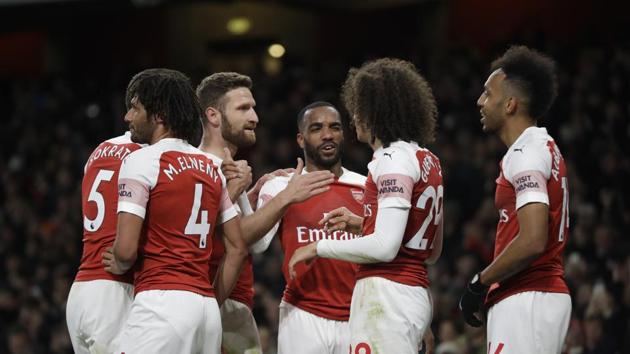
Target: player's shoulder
(351, 177)
(531, 151)
(123, 140)
(177, 145)
(424, 152)
(535, 138)
(400, 151)
(278, 182)
(215, 159)
(533, 144)
(167, 145)
(398, 157)
(145, 159)
(143, 154)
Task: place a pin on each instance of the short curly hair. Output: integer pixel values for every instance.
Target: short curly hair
(533, 74)
(168, 94)
(392, 100)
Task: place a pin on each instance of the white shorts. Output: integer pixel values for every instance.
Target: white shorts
(240, 334)
(302, 332)
(388, 317)
(529, 322)
(95, 312)
(172, 321)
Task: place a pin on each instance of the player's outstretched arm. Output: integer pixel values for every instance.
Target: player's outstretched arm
(125, 249)
(342, 219)
(381, 246)
(300, 188)
(252, 194)
(230, 267)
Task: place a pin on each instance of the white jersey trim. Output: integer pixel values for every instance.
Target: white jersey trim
(529, 155)
(132, 208)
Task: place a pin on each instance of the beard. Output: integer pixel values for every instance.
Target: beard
(239, 137)
(491, 123)
(141, 132)
(314, 153)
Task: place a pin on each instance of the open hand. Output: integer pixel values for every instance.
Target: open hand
(303, 186)
(253, 193)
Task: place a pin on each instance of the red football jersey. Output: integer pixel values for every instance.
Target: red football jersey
(243, 291)
(99, 199)
(407, 176)
(180, 192)
(533, 171)
(323, 288)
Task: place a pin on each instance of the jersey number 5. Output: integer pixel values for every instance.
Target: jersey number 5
(96, 197)
(419, 241)
(203, 228)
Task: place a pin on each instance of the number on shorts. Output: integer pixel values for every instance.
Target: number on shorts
(95, 196)
(203, 228)
(419, 240)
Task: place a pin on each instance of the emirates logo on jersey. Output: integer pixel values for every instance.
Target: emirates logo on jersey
(357, 194)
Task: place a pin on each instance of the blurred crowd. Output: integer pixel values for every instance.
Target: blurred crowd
(52, 124)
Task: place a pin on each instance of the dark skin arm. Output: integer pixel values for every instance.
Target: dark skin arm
(528, 245)
(230, 266)
(300, 187)
(125, 251)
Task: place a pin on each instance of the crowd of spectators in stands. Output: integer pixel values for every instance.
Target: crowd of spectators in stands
(52, 124)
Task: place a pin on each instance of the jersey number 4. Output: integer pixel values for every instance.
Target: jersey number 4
(420, 241)
(203, 227)
(95, 196)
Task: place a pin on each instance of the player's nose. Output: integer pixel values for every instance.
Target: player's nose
(253, 117)
(480, 101)
(327, 134)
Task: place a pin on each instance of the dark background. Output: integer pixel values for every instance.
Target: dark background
(64, 66)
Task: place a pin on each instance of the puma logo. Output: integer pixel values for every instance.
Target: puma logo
(389, 154)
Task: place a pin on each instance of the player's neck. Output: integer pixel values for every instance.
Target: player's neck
(376, 144)
(214, 144)
(336, 169)
(513, 128)
(160, 133)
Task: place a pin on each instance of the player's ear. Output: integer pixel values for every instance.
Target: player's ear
(511, 105)
(157, 118)
(300, 140)
(213, 116)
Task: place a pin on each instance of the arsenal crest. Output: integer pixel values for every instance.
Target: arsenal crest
(357, 194)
